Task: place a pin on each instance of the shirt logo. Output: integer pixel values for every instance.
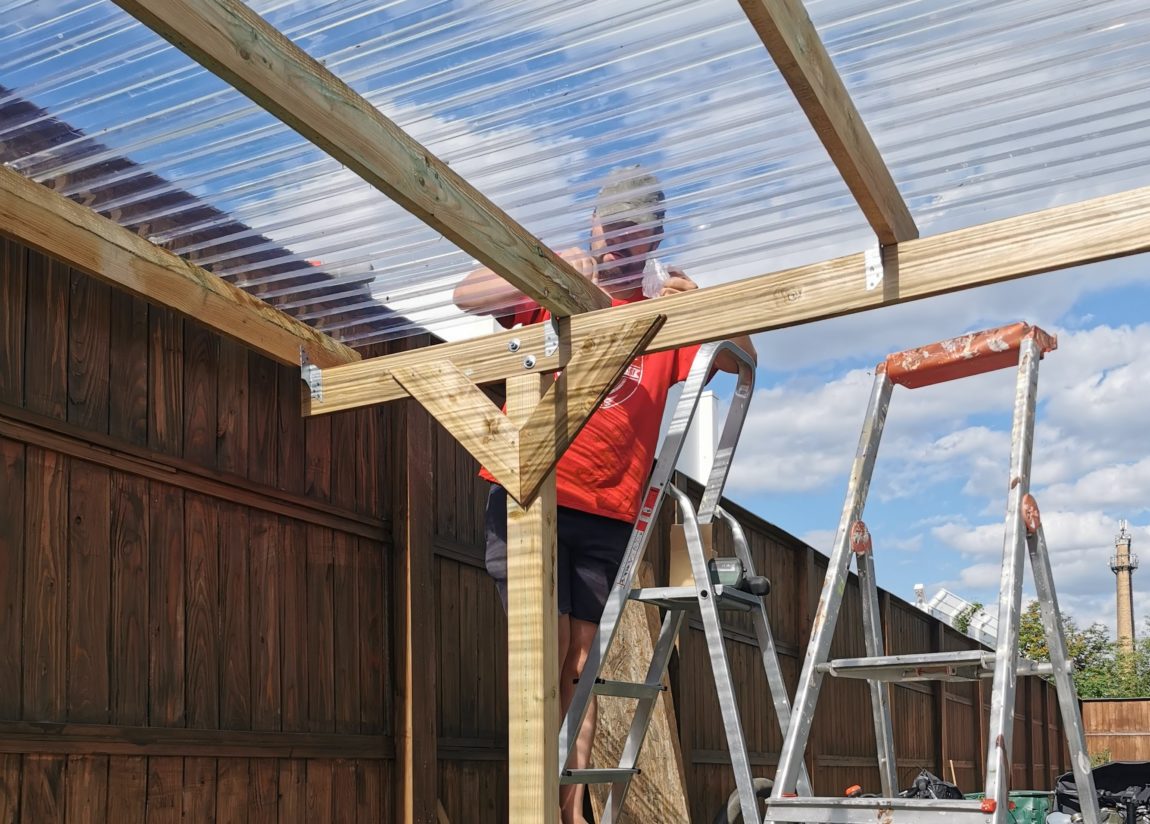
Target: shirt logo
(622, 391)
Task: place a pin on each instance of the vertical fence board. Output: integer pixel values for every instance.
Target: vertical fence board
(346, 631)
(292, 474)
(203, 607)
(263, 795)
(128, 369)
(165, 790)
(320, 634)
(12, 460)
(89, 565)
(42, 795)
(232, 803)
(88, 364)
(201, 415)
(235, 548)
(11, 766)
(374, 611)
(165, 621)
(87, 789)
(127, 789)
(232, 409)
(45, 589)
(261, 420)
(165, 381)
(198, 797)
(129, 610)
(46, 363)
(294, 648)
(13, 305)
(266, 605)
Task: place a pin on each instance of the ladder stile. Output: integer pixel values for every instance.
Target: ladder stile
(1063, 672)
(1001, 731)
(826, 615)
(766, 640)
(879, 691)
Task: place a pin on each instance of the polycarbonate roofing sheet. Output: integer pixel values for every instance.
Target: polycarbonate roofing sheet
(982, 108)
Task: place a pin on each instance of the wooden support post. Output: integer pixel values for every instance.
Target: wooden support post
(532, 636)
(416, 736)
(942, 744)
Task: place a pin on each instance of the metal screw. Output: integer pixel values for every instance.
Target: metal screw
(513, 345)
(529, 362)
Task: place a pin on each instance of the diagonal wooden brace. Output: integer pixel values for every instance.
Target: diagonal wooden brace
(520, 458)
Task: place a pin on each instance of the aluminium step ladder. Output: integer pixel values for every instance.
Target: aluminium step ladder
(948, 360)
(704, 597)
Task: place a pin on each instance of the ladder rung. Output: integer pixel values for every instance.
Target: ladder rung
(869, 810)
(964, 665)
(597, 776)
(626, 689)
(688, 597)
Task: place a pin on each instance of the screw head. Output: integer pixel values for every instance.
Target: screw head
(529, 362)
(513, 345)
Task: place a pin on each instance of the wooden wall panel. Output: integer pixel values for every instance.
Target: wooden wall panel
(171, 583)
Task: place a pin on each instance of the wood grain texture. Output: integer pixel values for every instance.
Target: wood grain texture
(798, 51)
(166, 622)
(45, 586)
(235, 548)
(1058, 238)
(202, 606)
(232, 41)
(568, 404)
(89, 571)
(128, 655)
(88, 355)
(37, 216)
(470, 416)
(13, 306)
(11, 578)
(127, 789)
(417, 611)
(128, 369)
(532, 635)
(46, 361)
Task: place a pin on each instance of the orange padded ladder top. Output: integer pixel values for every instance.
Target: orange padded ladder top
(964, 356)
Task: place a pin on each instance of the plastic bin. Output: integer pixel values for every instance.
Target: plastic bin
(1030, 806)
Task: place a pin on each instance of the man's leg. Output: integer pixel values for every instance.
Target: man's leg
(582, 634)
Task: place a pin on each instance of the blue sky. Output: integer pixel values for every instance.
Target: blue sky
(969, 106)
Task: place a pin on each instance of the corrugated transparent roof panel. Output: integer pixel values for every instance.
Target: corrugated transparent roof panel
(982, 108)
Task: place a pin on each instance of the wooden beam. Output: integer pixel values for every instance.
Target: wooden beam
(532, 636)
(1100, 229)
(37, 216)
(416, 739)
(232, 41)
(798, 51)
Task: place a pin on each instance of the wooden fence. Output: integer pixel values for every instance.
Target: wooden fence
(200, 599)
(1117, 728)
(194, 605)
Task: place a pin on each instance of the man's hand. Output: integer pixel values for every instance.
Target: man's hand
(676, 283)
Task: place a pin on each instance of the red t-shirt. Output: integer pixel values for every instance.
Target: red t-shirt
(605, 470)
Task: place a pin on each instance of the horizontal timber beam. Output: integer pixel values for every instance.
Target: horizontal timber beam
(235, 43)
(794, 44)
(1058, 238)
(35, 215)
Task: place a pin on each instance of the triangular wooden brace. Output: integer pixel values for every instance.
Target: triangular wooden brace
(521, 458)
(469, 415)
(591, 373)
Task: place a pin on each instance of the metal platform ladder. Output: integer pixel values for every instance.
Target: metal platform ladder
(704, 597)
(960, 357)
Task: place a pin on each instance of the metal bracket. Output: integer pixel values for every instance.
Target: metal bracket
(550, 337)
(311, 374)
(875, 273)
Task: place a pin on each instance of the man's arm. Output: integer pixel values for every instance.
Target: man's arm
(679, 282)
(482, 292)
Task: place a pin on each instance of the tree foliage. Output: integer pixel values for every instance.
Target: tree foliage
(1101, 670)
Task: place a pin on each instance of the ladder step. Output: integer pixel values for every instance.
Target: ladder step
(870, 810)
(626, 689)
(965, 665)
(688, 597)
(596, 776)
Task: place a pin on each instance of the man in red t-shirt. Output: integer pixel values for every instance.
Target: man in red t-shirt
(600, 479)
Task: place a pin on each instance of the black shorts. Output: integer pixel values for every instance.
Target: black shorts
(588, 553)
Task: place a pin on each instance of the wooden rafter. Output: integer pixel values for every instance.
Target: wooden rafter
(521, 456)
(38, 217)
(794, 44)
(1058, 238)
(231, 40)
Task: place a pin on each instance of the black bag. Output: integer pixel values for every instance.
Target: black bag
(1112, 778)
(929, 785)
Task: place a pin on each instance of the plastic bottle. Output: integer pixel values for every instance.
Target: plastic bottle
(655, 274)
